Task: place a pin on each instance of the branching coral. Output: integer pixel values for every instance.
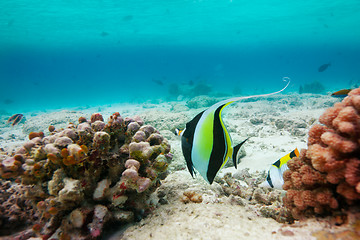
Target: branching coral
(81, 177)
(326, 176)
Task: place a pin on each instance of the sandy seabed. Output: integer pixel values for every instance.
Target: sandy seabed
(275, 126)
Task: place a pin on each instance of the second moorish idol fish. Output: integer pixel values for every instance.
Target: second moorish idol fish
(15, 119)
(341, 93)
(206, 143)
(274, 177)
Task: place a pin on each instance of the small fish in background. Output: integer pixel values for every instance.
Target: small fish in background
(127, 18)
(8, 101)
(341, 93)
(15, 119)
(104, 34)
(206, 143)
(324, 67)
(274, 178)
(158, 82)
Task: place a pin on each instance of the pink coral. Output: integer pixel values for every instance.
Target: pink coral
(328, 172)
(339, 143)
(131, 163)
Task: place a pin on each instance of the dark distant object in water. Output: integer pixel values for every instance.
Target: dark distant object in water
(341, 93)
(104, 34)
(236, 90)
(8, 101)
(127, 18)
(15, 119)
(174, 89)
(324, 67)
(191, 82)
(200, 89)
(157, 81)
(314, 87)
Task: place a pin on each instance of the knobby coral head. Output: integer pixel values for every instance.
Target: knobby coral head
(92, 174)
(326, 176)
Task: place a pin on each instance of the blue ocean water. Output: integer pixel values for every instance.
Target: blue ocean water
(65, 53)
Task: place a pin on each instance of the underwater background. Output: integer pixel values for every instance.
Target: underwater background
(65, 53)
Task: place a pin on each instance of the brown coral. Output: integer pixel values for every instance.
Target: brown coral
(328, 172)
(95, 117)
(191, 196)
(11, 167)
(36, 134)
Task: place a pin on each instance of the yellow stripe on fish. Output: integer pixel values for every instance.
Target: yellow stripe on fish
(206, 143)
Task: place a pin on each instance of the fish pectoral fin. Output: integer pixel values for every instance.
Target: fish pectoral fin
(236, 150)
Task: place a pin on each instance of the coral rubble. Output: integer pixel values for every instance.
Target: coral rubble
(89, 174)
(326, 176)
(15, 210)
(191, 196)
(243, 189)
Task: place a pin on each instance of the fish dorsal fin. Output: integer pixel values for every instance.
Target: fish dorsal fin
(235, 99)
(236, 150)
(282, 161)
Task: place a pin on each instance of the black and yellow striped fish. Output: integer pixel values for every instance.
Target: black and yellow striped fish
(206, 143)
(274, 178)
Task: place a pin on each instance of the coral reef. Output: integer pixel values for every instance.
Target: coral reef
(83, 177)
(326, 176)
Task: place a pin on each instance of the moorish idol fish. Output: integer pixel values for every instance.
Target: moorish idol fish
(274, 177)
(206, 143)
(341, 93)
(15, 119)
(324, 67)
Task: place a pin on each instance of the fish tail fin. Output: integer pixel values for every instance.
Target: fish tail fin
(236, 150)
